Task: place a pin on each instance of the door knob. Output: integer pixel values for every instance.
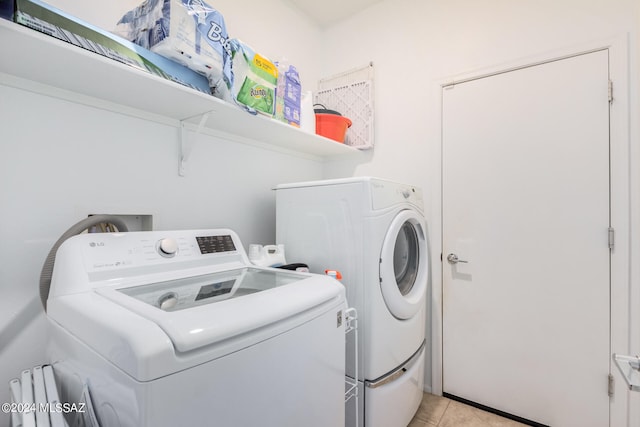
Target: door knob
(453, 259)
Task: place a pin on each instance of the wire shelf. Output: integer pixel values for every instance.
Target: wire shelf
(351, 384)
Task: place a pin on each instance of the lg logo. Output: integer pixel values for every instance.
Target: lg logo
(95, 244)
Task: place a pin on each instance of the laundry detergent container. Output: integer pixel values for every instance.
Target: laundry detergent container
(332, 126)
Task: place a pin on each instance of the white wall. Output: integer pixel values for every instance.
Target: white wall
(60, 161)
(416, 44)
(634, 294)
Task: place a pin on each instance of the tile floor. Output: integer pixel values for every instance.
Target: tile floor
(443, 412)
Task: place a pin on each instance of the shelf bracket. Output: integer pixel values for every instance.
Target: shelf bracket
(629, 367)
(187, 144)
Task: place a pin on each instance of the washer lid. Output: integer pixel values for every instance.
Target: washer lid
(403, 265)
(195, 291)
(204, 310)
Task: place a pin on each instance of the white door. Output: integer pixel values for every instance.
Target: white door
(526, 213)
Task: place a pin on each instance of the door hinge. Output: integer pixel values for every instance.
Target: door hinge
(610, 91)
(612, 238)
(611, 385)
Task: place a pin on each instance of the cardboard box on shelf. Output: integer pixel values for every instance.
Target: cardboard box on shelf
(42, 17)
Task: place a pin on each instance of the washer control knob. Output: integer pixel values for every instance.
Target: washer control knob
(167, 247)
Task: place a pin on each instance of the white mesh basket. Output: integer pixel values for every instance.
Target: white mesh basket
(351, 94)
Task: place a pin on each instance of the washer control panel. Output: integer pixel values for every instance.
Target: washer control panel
(215, 244)
(118, 251)
(95, 260)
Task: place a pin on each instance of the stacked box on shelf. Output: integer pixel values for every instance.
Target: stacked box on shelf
(189, 32)
(44, 18)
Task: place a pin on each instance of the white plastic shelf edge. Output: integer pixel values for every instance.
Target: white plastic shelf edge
(35, 57)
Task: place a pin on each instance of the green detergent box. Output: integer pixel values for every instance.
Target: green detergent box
(45, 18)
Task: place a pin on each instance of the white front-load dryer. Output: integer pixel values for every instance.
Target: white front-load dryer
(373, 231)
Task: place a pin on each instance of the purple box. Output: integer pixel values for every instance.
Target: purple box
(6, 9)
(292, 96)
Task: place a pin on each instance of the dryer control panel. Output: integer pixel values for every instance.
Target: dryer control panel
(386, 193)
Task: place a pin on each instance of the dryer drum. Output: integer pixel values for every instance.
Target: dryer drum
(404, 265)
(406, 257)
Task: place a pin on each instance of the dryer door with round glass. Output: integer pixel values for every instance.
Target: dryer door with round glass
(403, 265)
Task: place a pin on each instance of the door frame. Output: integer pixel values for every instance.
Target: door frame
(623, 158)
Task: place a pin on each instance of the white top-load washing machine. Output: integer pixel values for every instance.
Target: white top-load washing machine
(373, 231)
(176, 328)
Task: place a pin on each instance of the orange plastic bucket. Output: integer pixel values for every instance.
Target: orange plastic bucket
(332, 126)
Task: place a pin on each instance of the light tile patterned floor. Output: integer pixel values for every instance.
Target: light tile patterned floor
(443, 412)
